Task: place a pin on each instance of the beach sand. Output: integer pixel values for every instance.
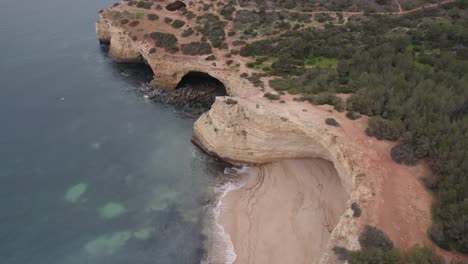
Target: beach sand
(284, 213)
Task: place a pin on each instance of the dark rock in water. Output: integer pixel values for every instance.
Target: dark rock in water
(195, 93)
(175, 6)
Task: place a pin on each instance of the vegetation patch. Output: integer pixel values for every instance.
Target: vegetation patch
(187, 32)
(134, 23)
(196, 48)
(164, 40)
(212, 27)
(144, 4)
(271, 96)
(178, 23)
(152, 17)
(331, 122)
(384, 129)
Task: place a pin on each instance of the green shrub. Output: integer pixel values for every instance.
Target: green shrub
(196, 48)
(152, 50)
(211, 58)
(164, 40)
(229, 62)
(238, 42)
(331, 122)
(341, 252)
(190, 15)
(178, 23)
(403, 153)
(144, 4)
(187, 32)
(421, 255)
(227, 12)
(373, 237)
(230, 101)
(152, 17)
(356, 209)
(323, 17)
(384, 129)
(124, 21)
(271, 96)
(134, 23)
(374, 256)
(168, 20)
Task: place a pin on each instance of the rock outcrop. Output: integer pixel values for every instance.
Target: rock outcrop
(168, 69)
(258, 132)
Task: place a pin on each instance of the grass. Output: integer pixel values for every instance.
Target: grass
(321, 62)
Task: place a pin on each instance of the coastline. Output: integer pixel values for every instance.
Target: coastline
(284, 213)
(253, 130)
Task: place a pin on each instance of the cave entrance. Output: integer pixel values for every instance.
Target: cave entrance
(199, 90)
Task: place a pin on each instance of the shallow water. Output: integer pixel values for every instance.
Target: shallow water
(91, 172)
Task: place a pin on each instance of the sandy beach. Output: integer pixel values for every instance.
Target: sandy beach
(284, 213)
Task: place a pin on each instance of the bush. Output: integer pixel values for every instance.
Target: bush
(373, 237)
(196, 48)
(374, 256)
(331, 122)
(384, 129)
(187, 32)
(152, 50)
(144, 4)
(168, 20)
(421, 255)
(211, 58)
(341, 252)
(134, 23)
(152, 17)
(403, 153)
(227, 12)
(190, 15)
(271, 96)
(230, 101)
(163, 40)
(124, 21)
(356, 209)
(178, 23)
(238, 43)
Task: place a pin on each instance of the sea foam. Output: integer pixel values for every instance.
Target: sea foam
(222, 249)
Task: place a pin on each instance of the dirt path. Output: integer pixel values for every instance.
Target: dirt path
(397, 2)
(351, 13)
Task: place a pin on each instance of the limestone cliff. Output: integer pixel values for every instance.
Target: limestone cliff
(254, 131)
(168, 69)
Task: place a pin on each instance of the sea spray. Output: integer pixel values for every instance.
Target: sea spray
(222, 250)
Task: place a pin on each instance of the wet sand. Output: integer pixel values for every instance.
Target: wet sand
(284, 213)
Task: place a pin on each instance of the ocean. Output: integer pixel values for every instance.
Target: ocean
(90, 171)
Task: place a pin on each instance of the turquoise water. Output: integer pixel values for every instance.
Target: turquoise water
(90, 171)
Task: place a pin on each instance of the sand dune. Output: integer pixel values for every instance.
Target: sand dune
(285, 212)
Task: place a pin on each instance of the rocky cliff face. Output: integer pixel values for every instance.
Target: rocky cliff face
(168, 69)
(256, 131)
